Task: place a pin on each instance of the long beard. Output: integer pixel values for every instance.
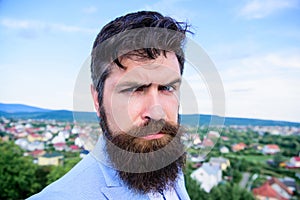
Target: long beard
(147, 165)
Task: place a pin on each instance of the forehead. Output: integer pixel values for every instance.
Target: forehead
(161, 70)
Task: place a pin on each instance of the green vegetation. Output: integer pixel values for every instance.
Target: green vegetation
(223, 191)
(21, 178)
(250, 160)
(17, 173)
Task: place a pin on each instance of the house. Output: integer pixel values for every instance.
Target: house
(78, 141)
(58, 139)
(22, 142)
(256, 147)
(295, 162)
(280, 188)
(60, 146)
(270, 149)
(290, 183)
(272, 189)
(64, 134)
(196, 139)
(51, 159)
(32, 137)
(238, 147)
(224, 149)
(208, 176)
(36, 153)
(213, 134)
(47, 136)
(220, 161)
(36, 145)
(22, 134)
(207, 142)
(266, 192)
(74, 148)
(224, 138)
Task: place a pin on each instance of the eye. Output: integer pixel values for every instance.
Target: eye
(167, 88)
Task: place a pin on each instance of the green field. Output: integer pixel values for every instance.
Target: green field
(253, 158)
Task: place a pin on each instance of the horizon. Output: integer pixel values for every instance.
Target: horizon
(255, 46)
(233, 117)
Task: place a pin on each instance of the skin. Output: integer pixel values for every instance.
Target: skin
(147, 89)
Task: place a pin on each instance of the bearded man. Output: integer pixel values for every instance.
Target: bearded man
(137, 63)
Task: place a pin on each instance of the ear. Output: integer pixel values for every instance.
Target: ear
(95, 99)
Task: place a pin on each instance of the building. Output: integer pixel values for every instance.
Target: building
(224, 149)
(213, 134)
(272, 189)
(36, 153)
(61, 146)
(207, 142)
(270, 149)
(22, 142)
(295, 162)
(238, 147)
(220, 161)
(36, 145)
(32, 137)
(208, 176)
(51, 159)
(290, 183)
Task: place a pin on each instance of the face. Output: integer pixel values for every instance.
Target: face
(147, 89)
(140, 114)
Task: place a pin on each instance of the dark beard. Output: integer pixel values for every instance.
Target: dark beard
(147, 165)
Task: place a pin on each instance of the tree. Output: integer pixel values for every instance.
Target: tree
(278, 158)
(59, 171)
(17, 173)
(230, 191)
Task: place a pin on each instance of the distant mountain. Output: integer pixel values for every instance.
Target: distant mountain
(19, 111)
(17, 108)
(195, 119)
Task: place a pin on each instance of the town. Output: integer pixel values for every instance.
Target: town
(255, 162)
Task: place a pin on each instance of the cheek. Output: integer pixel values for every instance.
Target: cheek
(171, 107)
(120, 116)
(134, 110)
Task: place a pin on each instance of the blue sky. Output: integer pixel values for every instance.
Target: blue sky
(255, 45)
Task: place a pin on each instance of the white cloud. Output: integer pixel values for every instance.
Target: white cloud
(256, 9)
(263, 86)
(42, 26)
(268, 98)
(20, 24)
(285, 62)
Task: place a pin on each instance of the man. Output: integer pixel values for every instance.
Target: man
(137, 63)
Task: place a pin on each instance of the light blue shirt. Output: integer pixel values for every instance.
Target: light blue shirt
(92, 178)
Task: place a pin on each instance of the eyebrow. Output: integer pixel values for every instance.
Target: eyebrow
(133, 84)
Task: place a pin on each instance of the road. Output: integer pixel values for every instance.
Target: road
(244, 180)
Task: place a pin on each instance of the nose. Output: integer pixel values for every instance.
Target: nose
(153, 108)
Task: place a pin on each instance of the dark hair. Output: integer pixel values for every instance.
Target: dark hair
(143, 35)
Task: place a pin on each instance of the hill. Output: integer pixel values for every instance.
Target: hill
(17, 108)
(20, 111)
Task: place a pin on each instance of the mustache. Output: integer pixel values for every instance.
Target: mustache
(131, 141)
(153, 127)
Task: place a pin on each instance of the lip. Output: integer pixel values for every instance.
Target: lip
(153, 136)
